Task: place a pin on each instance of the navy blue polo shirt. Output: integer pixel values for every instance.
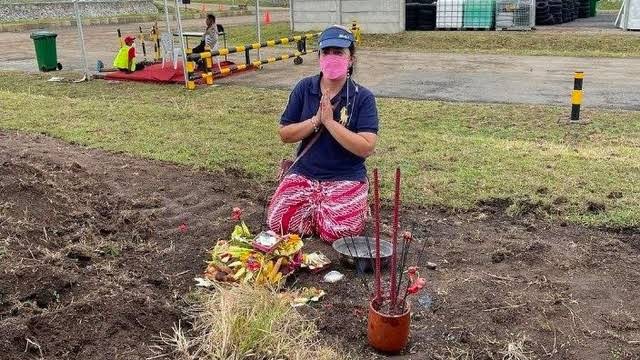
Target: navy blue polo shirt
(327, 159)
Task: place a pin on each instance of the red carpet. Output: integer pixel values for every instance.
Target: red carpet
(155, 73)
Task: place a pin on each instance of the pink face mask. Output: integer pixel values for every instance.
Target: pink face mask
(334, 66)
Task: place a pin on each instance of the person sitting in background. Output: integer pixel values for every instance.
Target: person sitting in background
(210, 36)
(125, 60)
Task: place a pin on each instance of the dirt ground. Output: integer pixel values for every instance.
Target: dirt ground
(93, 261)
(98, 249)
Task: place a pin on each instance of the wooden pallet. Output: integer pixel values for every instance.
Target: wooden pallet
(464, 29)
(515, 28)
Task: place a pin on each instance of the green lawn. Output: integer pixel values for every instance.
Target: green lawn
(609, 4)
(478, 42)
(246, 34)
(510, 42)
(267, 3)
(452, 154)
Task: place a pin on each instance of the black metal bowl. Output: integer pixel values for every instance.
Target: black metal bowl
(359, 252)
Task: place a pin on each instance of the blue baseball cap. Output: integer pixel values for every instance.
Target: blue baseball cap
(335, 36)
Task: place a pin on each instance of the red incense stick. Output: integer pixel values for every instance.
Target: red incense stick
(394, 255)
(376, 219)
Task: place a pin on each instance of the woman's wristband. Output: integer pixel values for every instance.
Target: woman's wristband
(315, 123)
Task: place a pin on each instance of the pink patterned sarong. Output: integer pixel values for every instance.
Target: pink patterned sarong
(330, 209)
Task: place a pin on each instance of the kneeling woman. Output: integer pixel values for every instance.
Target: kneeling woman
(325, 191)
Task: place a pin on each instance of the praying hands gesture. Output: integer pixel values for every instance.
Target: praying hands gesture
(325, 111)
(361, 144)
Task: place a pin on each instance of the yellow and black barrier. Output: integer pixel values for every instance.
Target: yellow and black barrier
(355, 29)
(577, 95)
(155, 37)
(191, 69)
(206, 56)
(254, 46)
(209, 75)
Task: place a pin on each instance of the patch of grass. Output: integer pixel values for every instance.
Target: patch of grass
(475, 42)
(111, 250)
(263, 3)
(452, 154)
(246, 34)
(609, 4)
(188, 11)
(85, 21)
(507, 42)
(248, 322)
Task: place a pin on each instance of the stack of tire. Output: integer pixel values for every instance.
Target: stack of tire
(555, 9)
(583, 8)
(576, 5)
(543, 16)
(568, 11)
(420, 15)
(549, 12)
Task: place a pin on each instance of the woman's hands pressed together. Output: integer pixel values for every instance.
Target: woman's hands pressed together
(326, 110)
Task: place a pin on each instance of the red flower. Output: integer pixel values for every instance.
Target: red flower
(416, 285)
(183, 228)
(412, 270)
(407, 236)
(236, 214)
(253, 265)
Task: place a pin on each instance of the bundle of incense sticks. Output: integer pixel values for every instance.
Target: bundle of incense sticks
(393, 289)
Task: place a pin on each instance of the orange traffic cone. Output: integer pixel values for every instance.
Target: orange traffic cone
(267, 17)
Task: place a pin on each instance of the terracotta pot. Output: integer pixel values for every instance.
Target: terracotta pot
(388, 333)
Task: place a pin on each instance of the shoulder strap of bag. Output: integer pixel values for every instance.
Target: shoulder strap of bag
(306, 148)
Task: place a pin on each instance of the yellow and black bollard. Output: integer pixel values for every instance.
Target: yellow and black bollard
(156, 42)
(191, 68)
(576, 96)
(144, 48)
(208, 63)
(355, 29)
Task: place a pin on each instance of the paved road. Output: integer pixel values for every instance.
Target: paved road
(452, 77)
(476, 78)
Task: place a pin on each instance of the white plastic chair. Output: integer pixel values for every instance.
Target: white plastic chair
(168, 49)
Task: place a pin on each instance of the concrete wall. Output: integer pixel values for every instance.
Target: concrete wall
(22, 10)
(374, 16)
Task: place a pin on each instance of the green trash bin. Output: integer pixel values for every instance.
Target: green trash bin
(46, 53)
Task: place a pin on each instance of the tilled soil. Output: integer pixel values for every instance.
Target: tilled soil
(98, 249)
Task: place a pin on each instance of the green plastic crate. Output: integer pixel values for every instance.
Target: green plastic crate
(479, 14)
